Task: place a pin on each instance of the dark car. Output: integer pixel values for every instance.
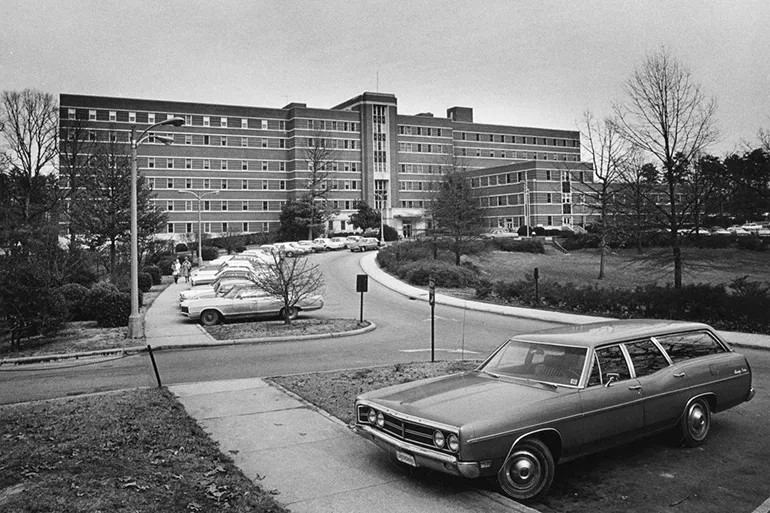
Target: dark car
(552, 396)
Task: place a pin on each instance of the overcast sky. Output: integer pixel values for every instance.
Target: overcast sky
(535, 63)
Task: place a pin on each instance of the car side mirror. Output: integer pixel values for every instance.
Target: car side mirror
(612, 377)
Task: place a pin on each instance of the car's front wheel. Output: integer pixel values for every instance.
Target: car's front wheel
(210, 317)
(695, 422)
(293, 312)
(528, 472)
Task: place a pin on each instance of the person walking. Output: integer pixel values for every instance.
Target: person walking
(186, 266)
(176, 268)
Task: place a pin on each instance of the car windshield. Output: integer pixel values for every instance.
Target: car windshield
(548, 363)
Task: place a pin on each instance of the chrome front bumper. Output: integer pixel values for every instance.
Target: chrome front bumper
(423, 457)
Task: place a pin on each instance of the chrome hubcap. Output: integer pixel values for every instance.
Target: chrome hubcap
(524, 470)
(698, 421)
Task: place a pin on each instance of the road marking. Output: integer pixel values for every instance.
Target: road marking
(764, 507)
(442, 318)
(438, 349)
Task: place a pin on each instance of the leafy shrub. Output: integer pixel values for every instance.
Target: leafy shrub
(145, 282)
(743, 305)
(114, 310)
(714, 241)
(181, 247)
(444, 273)
(389, 233)
(155, 272)
(209, 253)
(752, 243)
(75, 296)
(519, 246)
(95, 297)
(580, 241)
(165, 265)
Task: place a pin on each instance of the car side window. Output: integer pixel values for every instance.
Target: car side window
(612, 361)
(595, 378)
(646, 357)
(684, 346)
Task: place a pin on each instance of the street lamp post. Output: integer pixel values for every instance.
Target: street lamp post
(381, 197)
(135, 325)
(199, 196)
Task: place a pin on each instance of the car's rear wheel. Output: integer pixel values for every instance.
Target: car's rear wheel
(293, 312)
(528, 472)
(695, 423)
(210, 317)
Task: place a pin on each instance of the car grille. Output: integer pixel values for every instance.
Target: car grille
(185, 309)
(404, 430)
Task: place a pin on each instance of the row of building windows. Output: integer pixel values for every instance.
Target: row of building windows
(422, 130)
(238, 165)
(406, 147)
(222, 227)
(520, 155)
(209, 121)
(411, 203)
(517, 139)
(220, 205)
(520, 176)
(155, 182)
(518, 199)
(414, 185)
(423, 169)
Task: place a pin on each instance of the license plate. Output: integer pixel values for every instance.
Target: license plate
(406, 458)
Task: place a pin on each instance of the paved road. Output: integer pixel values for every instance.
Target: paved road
(402, 335)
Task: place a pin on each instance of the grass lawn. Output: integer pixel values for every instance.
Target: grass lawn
(124, 451)
(626, 268)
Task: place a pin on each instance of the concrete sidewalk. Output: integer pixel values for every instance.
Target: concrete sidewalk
(314, 461)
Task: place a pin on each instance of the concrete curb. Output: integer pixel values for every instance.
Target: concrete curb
(314, 336)
(369, 266)
(213, 343)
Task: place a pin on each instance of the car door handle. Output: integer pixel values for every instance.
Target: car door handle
(679, 375)
(635, 387)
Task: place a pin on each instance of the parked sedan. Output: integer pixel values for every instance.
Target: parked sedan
(247, 303)
(555, 395)
(217, 288)
(331, 244)
(205, 278)
(365, 244)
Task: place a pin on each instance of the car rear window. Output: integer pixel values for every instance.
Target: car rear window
(684, 346)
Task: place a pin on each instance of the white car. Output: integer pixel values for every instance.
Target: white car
(214, 288)
(311, 245)
(344, 242)
(290, 249)
(207, 276)
(330, 244)
(248, 302)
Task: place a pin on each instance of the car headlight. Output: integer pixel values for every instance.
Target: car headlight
(380, 420)
(453, 443)
(438, 439)
(372, 417)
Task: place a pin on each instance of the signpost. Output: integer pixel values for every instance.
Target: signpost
(362, 285)
(432, 303)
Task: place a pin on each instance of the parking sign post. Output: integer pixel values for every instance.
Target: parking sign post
(432, 302)
(362, 285)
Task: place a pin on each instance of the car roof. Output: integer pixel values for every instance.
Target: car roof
(599, 333)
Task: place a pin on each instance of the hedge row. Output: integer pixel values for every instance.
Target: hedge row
(742, 305)
(102, 302)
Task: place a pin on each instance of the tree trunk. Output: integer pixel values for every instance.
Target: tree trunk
(677, 250)
(602, 254)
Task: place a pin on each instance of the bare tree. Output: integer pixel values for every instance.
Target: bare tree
(29, 137)
(608, 154)
(667, 116)
(77, 149)
(319, 155)
(455, 212)
(294, 280)
(637, 187)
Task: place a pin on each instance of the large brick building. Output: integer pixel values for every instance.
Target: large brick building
(257, 158)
